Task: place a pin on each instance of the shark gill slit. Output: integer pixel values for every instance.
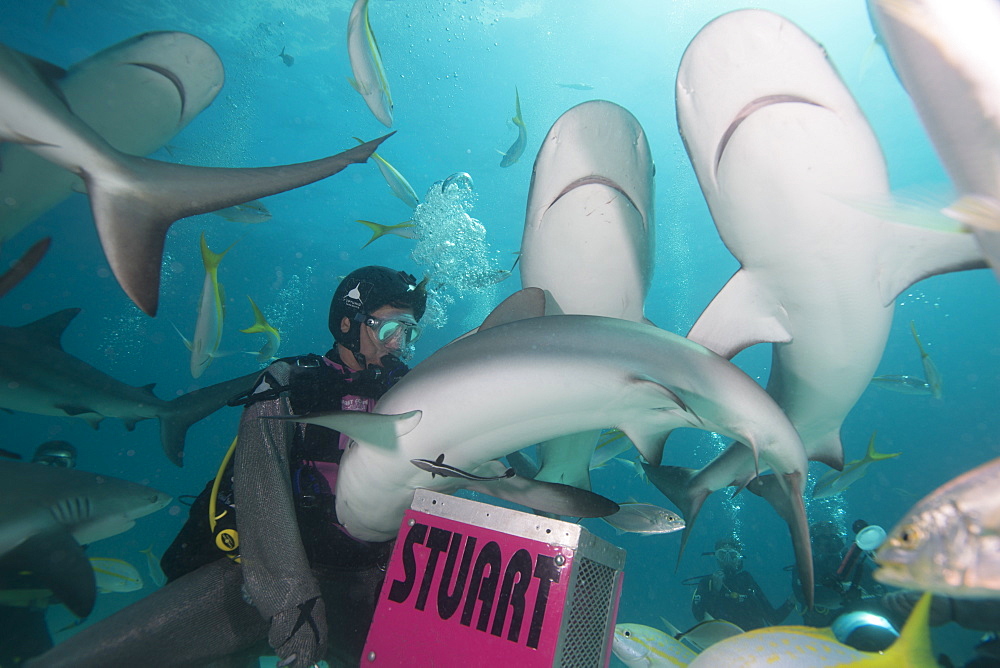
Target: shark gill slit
(747, 110)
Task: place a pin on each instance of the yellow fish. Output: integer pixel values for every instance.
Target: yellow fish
(211, 312)
(400, 187)
(406, 230)
(833, 482)
(260, 326)
(156, 573)
(517, 148)
(115, 575)
(808, 647)
(641, 646)
(366, 64)
(931, 372)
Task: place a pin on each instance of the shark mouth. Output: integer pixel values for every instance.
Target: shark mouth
(750, 108)
(596, 179)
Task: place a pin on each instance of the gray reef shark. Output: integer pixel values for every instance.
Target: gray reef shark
(136, 94)
(781, 150)
(38, 376)
(525, 381)
(589, 237)
(135, 200)
(47, 513)
(948, 59)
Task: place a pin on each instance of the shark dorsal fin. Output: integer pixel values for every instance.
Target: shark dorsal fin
(523, 304)
(49, 330)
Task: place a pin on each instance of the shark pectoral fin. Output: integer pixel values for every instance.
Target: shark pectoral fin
(48, 331)
(83, 412)
(61, 565)
(828, 450)
(740, 316)
(785, 496)
(371, 428)
(914, 253)
(548, 497)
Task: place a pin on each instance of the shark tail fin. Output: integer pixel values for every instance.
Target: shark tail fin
(785, 496)
(675, 482)
(187, 409)
(135, 200)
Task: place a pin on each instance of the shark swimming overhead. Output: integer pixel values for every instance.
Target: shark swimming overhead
(136, 94)
(135, 200)
(47, 513)
(946, 55)
(38, 376)
(589, 236)
(547, 376)
(780, 147)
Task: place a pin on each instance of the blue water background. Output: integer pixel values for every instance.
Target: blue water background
(453, 67)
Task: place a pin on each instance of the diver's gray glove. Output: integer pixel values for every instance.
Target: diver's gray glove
(298, 635)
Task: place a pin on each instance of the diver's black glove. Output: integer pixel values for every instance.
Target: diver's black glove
(298, 635)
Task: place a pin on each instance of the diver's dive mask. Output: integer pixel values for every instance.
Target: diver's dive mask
(404, 328)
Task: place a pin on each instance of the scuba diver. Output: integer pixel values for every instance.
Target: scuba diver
(847, 597)
(732, 594)
(23, 630)
(262, 560)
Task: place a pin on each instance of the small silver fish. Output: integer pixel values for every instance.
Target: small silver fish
(248, 212)
(903, 384)
(576, 86)
(644, 518)
(949, 542)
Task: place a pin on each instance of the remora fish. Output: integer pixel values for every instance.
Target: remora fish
(211, 313)
(38, 376)
(550, 376)
(810, 647)
(644, 518)
(641, 646)
(260, 326)
(931, 372)
(777, 141)
(945, 55)
(835, 482)
(397, 183)
(136, 94)
(588, 236)
(366, 64)
(47, 513)
(517, 148)
(135, 200)
(946, 543)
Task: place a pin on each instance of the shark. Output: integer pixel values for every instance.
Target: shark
(945, 56)
(49, 513)
(135, 200)
(532, 377)
(38, 376)
(589, 237)
(136, 94)
(781, 150)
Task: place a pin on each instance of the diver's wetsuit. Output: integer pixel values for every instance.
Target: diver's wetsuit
(738, 600)
(283, 473)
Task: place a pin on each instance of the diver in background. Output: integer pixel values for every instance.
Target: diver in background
(732, 594)
(284, 573)
(23, 630)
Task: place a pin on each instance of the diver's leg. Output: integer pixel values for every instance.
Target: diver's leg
(194, 620)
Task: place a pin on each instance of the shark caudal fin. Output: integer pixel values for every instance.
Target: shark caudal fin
(58, 562)
(135, 201)
(187, 409)
(785, 496)
(674, 482)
